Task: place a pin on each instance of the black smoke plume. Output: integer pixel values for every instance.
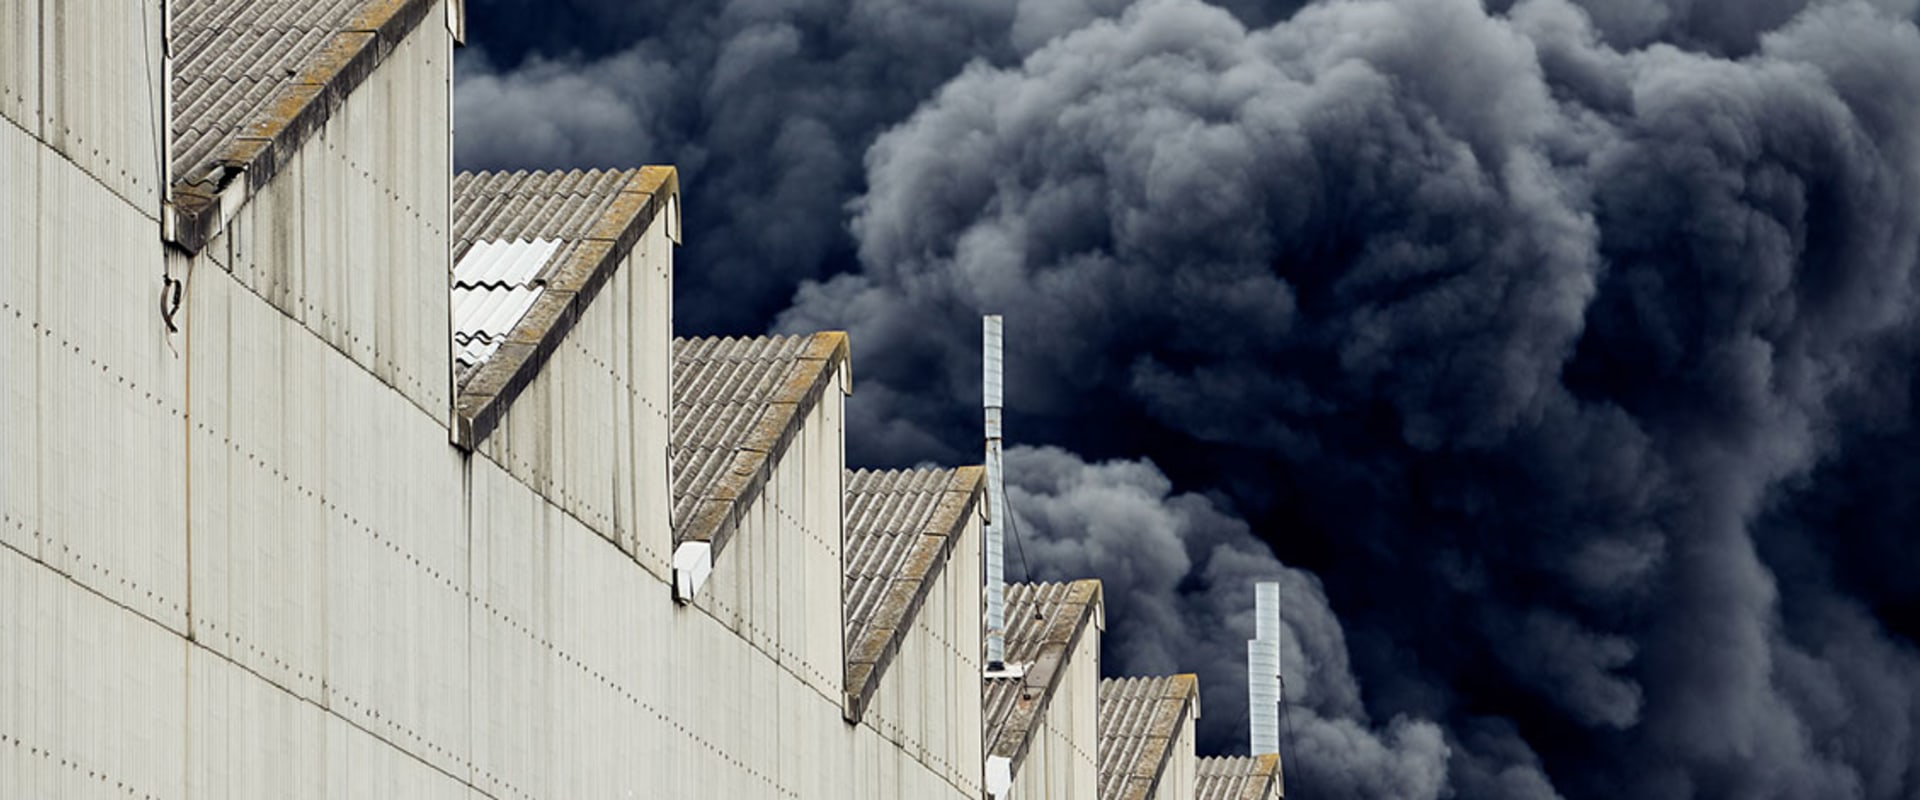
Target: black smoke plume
(1563, 350)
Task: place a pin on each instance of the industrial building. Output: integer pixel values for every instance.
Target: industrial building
(330, 473)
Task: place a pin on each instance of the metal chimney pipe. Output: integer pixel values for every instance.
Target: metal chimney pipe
(1263, 671)
(997, 520)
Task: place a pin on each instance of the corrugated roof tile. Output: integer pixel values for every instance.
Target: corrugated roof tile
(1139, 720)
(511, 231)
(251, 80)
(1237, 778)
(898, 529)
(510, 206)
(1043, 622)
(503, 263)
(724, 390)
(231, 57)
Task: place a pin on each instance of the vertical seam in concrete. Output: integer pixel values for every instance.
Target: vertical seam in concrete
(452, 410)
(40, 77)
(473, 647)
(39, 313)
(186, 430)
(847, 693)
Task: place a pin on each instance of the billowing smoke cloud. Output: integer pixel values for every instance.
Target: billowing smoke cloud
(766, 107)
(1523, 332)
(1178, 576)
(1565, 348)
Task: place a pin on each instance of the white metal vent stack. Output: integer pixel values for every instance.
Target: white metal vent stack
(997, 520)
(1263, 671)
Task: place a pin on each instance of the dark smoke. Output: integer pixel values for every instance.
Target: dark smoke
(1564, 349)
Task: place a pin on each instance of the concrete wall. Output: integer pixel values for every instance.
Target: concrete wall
(591, 682)
(351, 237)
(329, 550)
(84, 77)
(94, 387)
(777, 582)
(590, 432)
(1063, 757)
(1178, 777)
(928, 703)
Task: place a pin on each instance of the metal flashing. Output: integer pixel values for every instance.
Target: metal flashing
(999, 776)
(692, 565)
(457, 21)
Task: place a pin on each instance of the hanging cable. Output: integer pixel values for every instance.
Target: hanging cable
(1286, 720)
(170, 289)
(1020, 547)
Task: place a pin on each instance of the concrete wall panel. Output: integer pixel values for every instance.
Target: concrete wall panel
(590, 433)
(591, 682)
(350, 238)
(19, 337)
(928, 704)
(329, 545)
(111, 387)
(101, 69)
(258, 523)
(364, 765)
(249, 737)
(1062, 760)
(20, 64)
(92, 700)
(1177, 778)
(777, 583)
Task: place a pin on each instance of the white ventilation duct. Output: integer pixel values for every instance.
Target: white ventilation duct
(997, 520)
(1263, 671)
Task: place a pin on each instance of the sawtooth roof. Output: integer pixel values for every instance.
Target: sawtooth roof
(1238, 778)
(531, 251)
(901, 527)
(737, 403)
(1044, 623)
(253, 79)
(1139, 721)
